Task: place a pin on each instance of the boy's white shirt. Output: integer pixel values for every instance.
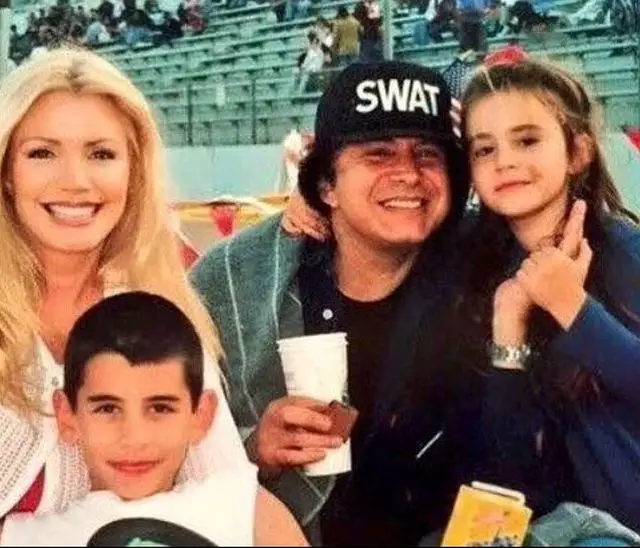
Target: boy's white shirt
(28, 447)
(220, 508)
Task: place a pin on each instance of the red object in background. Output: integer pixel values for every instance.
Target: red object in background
(634, 136)
(32, 498)
(508, 55)
(224, 218)
(189, 253)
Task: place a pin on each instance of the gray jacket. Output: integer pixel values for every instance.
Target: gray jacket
(248, 283)
(571, 523)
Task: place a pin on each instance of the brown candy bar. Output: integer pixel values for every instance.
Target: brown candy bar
(343, 418)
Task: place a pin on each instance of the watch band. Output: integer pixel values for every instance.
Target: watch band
(508, 356)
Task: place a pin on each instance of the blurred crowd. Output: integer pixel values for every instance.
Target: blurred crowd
(353, 34)
(350, 36)
(470, 21)
(357, 34)
(113, 21)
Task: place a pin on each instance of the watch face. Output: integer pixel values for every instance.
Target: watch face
(510, 353)
(141, 532)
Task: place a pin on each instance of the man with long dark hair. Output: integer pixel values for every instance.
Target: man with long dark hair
(386, 172)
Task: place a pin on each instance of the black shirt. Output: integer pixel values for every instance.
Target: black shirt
(368, 326)
(390, 496)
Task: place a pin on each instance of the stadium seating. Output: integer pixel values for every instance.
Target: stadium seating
(233, 84)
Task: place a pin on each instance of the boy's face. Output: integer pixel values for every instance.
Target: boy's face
(134, 424)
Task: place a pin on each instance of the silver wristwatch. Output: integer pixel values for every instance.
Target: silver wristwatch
(507, 354)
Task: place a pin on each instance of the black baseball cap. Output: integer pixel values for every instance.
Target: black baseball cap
(370, 101)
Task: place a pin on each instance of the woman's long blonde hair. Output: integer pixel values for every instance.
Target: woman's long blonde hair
(140, 253)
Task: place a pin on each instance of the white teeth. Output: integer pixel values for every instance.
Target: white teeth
(73, 212)
(403, 204)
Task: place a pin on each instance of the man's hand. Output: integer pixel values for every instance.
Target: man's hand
(292, 432)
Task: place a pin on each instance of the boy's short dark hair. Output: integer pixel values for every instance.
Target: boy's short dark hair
(141, 327)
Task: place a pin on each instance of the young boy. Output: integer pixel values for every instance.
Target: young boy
(133, 400)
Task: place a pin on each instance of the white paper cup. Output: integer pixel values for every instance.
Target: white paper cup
(315, 366)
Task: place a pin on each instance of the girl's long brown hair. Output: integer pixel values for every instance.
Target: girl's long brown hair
(492, 242)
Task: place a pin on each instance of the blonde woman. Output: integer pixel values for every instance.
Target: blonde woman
(83, 214)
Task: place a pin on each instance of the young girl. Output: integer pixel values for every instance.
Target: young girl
(555, 287)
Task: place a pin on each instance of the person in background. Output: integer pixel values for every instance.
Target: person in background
(347, 31)
(97, 33)
(591, 12)
(137, 28)
(310, 63)
(106, 12)
(279, 8)
(81, 16)
(170, 29)
(471, 25)
(195, 16)
(367, 12)
(442, 18)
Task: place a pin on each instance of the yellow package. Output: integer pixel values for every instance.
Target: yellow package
(487, 515)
